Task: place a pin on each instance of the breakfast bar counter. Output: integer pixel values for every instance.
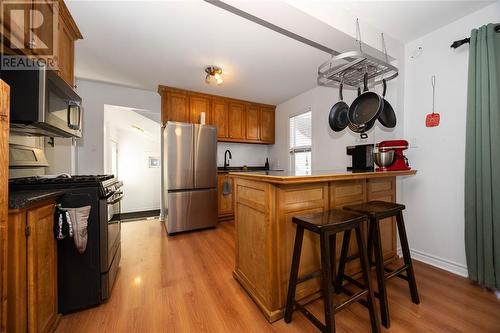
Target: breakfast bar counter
(265, 203)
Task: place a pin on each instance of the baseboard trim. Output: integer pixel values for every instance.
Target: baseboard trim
(140, 215)
(447, 265)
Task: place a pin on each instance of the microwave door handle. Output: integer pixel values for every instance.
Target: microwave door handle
(79, 109)
(70, 125)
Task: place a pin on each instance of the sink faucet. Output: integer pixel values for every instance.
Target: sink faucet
(226, 161)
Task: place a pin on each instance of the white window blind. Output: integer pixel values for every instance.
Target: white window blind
(300, 143)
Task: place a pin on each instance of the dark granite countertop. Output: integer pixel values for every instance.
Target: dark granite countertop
(242, 169)
(24, 199)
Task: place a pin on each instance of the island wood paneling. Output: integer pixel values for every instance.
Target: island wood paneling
(265, 233)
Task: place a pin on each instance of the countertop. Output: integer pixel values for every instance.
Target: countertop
(285, 177)
(25, 199)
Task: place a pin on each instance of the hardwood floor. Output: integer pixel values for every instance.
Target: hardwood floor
(185, 284)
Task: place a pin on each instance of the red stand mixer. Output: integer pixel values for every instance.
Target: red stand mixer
(399, 161)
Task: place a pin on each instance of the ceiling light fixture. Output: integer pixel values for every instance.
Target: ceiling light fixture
(214, 71)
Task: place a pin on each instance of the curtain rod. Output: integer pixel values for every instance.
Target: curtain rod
(461, 42)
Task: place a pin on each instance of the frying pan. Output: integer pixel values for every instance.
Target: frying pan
(338, 113)
(366, 107)
(353, 127)
(387, 117)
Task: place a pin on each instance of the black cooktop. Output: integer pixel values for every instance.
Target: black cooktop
(102, 182)
(61, 179)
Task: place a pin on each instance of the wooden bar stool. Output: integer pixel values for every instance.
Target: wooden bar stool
(327, 225)
(376, 211)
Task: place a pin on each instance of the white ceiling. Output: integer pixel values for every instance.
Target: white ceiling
(408, 20)
(143, 44)
(146, 43)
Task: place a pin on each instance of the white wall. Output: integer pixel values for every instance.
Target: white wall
(329, 148)
(434, 198)
(243, 154)
(141, 184)
(90, 148)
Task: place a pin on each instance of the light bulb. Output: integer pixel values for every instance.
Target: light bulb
(219, 80)
(217, 76)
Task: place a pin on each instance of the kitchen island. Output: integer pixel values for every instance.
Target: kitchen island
(265, 203)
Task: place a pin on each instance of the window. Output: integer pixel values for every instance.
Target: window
(300, 144)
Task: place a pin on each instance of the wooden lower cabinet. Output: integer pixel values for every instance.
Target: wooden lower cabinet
(32, 270)
(265, 233)
(4, 175)
(225, 201)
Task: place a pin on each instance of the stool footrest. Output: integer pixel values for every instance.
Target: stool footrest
(354, 298)
(308, 277)
(310, 316)
(354, 282)
(396, 272)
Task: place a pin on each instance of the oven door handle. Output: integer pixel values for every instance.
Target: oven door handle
(115, 200)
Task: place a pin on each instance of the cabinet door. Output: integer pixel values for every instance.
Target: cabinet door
(16, 273)
(66, 54)
(197, 105)
(44, 31)
(236, 121)
(178, 107)
(3, 276)
(4, 166)
(220, 117)
(42, 270)
(252, 123)
(267, 125)
(225, 201)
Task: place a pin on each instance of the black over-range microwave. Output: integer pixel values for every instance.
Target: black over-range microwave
(42, 103)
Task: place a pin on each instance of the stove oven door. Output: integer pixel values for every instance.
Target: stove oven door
(110, 243)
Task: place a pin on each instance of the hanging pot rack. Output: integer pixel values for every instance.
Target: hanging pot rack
(350, 67)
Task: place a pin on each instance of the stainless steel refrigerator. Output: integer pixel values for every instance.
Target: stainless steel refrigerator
(189, 176)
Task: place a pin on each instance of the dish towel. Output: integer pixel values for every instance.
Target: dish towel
(79, 221)
(226, 188)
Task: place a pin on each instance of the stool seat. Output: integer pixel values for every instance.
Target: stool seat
(376, 209)
(334, 219)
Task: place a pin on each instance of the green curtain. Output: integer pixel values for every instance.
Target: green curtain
(482, 158)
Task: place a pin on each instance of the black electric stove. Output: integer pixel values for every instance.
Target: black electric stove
(85, 279)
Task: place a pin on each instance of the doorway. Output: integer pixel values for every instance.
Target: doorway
(132, 154)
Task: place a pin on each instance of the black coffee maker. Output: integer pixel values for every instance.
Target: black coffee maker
(362, 157)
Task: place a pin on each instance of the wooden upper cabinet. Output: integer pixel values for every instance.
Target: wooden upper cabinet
(236, 120)
(237, 115)
(220, 116)
(66, 54)
(197, 105)
(68, 33)
(42, 270)
(252, 122)
(267, 124)
(44, 31)
(178, 107)
(15, 34)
